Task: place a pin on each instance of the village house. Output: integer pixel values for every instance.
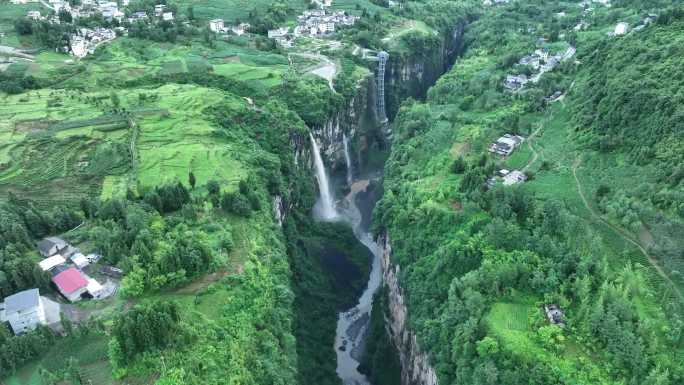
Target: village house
(159, 9)
(620, 29)
(71, 283)
(506, 144)
(240, 29)
(50, 263)
(553, 97)
(24, 311)
(95, 289)
(515, 82)
(278, 32)
(78, 46)
(33, 15)
(137, 16)
(555, 315)
(216, 25)
(80, 260)
(81, 44)
(51, 246)
(167, 16)
(514, 177)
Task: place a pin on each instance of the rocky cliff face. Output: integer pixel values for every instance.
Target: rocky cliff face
(415, 364)
(406, 76)
(411, 75)
(357, 120)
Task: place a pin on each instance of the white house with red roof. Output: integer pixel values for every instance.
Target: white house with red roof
(72, 283)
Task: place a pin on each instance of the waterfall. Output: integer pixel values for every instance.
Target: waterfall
(347, 158)
(325, 207)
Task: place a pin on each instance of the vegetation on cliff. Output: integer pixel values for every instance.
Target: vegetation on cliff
(479, 263)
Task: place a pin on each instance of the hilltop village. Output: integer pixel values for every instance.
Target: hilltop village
(319, 22)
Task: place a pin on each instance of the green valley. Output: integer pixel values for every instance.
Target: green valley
(341, 192)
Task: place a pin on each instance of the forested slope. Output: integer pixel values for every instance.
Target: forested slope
(478, 264)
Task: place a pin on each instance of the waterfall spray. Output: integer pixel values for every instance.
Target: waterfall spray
(347, 158)
(325, 207)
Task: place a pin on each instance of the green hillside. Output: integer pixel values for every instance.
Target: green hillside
(593, 230)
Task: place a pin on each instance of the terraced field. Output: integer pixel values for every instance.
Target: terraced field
(231, 10)
(64, 159)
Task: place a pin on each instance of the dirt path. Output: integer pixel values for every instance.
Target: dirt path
(535, 154)
(622, 232)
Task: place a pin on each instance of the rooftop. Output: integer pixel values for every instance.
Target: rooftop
(46, 244)
(23, 300)
(70, 280)
(49, 263)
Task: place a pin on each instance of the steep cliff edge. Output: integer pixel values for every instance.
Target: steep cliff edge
(415, 364)
(408, 74)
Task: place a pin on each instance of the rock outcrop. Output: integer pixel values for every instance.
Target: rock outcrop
(415, 364)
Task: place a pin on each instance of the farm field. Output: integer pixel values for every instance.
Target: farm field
(556, 150)
(513, 324)
(128, 59)
(8, 14)
(91, 155)
(231, 10)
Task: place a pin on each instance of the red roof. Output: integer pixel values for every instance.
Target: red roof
(70, 280)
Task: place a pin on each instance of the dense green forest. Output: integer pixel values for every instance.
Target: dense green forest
(478, 263)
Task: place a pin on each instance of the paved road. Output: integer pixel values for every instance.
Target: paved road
(327, 69)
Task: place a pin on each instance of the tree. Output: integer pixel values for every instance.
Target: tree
(64, 16)
(458, 166)
(191, 179)
(487, 347)
(23, 26)
(146, 327)
(116, 102)
(72, 374)
(213, 187)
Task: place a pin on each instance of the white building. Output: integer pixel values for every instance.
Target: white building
(33, 15)
(167, 16)
(50, 263)
(24, 311)
(80, 260)
(514, 177)
(95, 289)
(159, 9)
(279, 32)
(506, 144)
(240, 29)
(621, 29)
(216, 25)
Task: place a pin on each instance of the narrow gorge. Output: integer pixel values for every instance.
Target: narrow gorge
(346, 158)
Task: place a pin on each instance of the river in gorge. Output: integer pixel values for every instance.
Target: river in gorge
(354, 209)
